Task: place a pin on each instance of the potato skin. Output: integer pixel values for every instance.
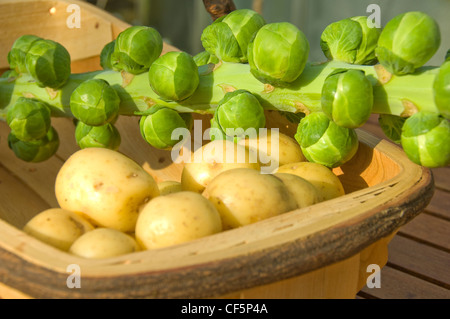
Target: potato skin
(105, 186)
(244, 196)
(176, 218)
(57, 227)
(211, 159)
(304, 193)
(169, 187)
(288, 150)
(103, 243)
(319, 175)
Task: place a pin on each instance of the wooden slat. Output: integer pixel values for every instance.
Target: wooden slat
(440, 204)
(396, 284)
(442, 178)
(419, 229)
(17, 207)
(422, 260)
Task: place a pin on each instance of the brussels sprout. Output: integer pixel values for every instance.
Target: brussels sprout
(347, 98)
(228, 37)
(391, 126)
(29, 119)
(94, 102)
(323, 141)
(19, 50)
(426, 139)
(278, 53)
(35, 151)
(237, 112)
(136, 48)
(104, 136)
(48, 62)
(407, 42)
(351, 41)
(441, 88)
(9, 74)
(205, 57)
(105, 55)
(174, 76)
(158, 123)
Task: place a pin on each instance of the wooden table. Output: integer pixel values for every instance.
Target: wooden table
(419, 254)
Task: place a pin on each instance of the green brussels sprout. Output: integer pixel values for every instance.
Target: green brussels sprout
(441, 88)
(103, 136)
(351, 41)
(35, 151)
(94, 102)
(426, 139)
(347, 97)
(158, 123)
(48, 62)
(136, 48)
(391, 125)
(205, 57)
(19, 50)
(9, 74)
(174, 76)
(237, 112)
(105, 55)
(29, 119)
(278, 53)
(323, 141)
(228, 37)
(407, 42)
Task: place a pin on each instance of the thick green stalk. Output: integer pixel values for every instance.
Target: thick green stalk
(397, 95)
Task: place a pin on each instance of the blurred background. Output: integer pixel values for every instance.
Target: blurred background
(181, 22)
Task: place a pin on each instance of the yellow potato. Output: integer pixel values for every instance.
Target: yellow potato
(169, 187)
(244, 196)
(105, 186)
(327, 183)
(104, 243)
(212, 159)
(274, 149)
(57, 227)
(176, 218)
(305, 193)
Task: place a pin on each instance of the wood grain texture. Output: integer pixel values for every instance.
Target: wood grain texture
(396, 284)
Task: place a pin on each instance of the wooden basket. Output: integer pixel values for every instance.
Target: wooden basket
(321, 251)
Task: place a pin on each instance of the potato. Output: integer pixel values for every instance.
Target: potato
(305, 193)
(57, 227)
(169, 187)
(105, 186)
(176, 218)
(274, 149)
(319, 175)
(244, 196)
(212, 159)
(104, 243)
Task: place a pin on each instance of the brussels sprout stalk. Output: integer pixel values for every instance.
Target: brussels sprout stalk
(397, 95)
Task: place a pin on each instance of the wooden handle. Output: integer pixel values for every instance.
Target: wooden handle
(218, 8)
